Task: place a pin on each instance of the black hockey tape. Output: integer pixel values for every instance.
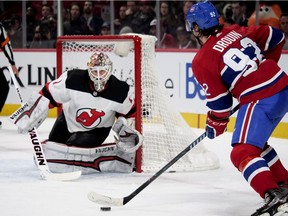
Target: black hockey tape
(105, 208)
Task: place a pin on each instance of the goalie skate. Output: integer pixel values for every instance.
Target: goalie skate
(276, 203)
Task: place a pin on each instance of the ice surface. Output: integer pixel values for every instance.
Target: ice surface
(221, 192)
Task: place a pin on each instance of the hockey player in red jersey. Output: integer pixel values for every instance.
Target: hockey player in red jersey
(241, 62)
(91, 99)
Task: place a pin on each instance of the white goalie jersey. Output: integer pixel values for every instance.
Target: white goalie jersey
(83, 107)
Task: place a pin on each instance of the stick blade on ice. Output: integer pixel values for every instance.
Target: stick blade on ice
(61, 176)
(105, 200)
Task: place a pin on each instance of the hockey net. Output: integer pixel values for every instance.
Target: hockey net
(165, 132)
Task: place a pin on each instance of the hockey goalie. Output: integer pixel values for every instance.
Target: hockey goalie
(94, 102)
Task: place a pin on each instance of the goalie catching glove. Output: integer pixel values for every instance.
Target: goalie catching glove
(128, 140)
(31, 114)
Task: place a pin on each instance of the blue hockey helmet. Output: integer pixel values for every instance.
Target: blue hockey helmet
(204, 14)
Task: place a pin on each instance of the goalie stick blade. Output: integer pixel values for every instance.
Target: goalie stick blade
(105, 200)
(70, 176)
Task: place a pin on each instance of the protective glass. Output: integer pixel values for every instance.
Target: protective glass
(188, 26)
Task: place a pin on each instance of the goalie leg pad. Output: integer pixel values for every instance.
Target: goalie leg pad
(31, 114)
(129, 140)
(105, 158)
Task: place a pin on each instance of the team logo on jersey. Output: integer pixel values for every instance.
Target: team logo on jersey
(89, 118)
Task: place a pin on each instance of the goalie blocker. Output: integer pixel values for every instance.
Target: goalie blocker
(31, 114)
(109, 157)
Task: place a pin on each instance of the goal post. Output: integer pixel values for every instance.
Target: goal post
(165, 132)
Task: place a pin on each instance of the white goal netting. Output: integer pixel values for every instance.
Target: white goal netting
(165, 131)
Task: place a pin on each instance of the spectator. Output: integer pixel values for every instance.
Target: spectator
(132, 8)
(15, 32)
(182, 16)
(239, 13)
(131, 13)
(184, 39)
(46, 12)
(121, 21)
(42, 38)
(284, 28)
(166, 40)
(126, 30)
(105, 29)
(31, 24)
(93, 22)
(168, 18)
(74, 26)
(141, 21)
(66, 13)
(227, 11)
(52, 25)
(48, 22)
(36, 41)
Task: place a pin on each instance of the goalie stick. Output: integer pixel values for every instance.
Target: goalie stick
(110, 201)
(38, 153)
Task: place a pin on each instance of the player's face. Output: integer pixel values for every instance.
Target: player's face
(197, 34)
(100, 73)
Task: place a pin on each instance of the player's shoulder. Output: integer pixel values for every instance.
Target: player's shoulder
(114, 82)
(75, 75)
(117, 90)
(75, 72)
(77, 79)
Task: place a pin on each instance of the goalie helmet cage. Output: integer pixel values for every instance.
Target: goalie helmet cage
(165, 132)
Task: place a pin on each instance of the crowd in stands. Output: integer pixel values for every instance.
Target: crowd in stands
(86, 18)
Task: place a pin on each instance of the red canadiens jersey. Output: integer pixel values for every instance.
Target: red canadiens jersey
(83, 107)
(240, 62)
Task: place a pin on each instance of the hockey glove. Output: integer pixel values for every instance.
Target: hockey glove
(129, 140)
(31, 114)
(215, 126)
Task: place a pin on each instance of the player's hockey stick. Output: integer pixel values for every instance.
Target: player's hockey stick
(38, 153)
(110, 201)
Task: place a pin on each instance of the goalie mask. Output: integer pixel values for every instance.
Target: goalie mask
(100, 70)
